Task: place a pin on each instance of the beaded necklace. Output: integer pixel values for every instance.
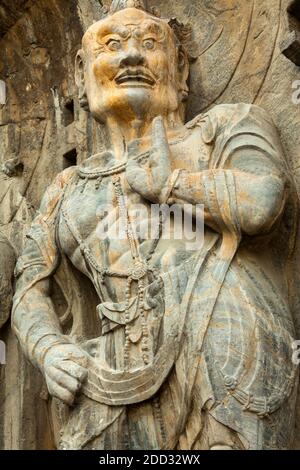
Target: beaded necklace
(99, 174)
(140, 269)
(137, 273)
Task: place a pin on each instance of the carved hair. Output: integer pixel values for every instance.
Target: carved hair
(117, 5)
(183, 32)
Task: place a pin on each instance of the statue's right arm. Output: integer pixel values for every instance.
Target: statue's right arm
(34, 320)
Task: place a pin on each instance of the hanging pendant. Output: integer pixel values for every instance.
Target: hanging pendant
(139, 270)
(83, 186)
(98, 182)
(135, 331)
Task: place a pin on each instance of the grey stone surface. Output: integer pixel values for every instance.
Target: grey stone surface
(225, 363)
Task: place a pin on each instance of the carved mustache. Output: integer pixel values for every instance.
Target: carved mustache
(135, 75)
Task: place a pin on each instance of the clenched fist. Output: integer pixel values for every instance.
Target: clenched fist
(65, 371)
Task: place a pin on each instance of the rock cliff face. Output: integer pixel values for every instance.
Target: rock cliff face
(240, 52)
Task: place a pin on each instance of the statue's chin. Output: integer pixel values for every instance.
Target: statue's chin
(138, 99)
(131, 102)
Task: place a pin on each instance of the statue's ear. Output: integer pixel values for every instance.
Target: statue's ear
(80, 80)
(183, 72)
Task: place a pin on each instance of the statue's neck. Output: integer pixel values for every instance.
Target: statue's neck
(122, 133)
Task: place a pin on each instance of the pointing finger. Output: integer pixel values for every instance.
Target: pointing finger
(160, 141)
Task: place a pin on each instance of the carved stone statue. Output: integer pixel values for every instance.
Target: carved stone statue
(162, 346)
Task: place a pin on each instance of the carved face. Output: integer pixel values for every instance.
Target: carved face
(130, 67)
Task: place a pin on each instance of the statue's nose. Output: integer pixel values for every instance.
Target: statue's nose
(132, 57)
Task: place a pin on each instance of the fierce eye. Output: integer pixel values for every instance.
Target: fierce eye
(114, 44)
(149, 43)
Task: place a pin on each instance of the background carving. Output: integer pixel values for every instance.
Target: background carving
(236, 44)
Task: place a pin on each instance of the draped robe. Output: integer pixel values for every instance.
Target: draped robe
(220, 322)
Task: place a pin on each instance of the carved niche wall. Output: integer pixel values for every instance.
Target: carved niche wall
(236, 52)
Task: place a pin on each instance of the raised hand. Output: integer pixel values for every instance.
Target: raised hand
(65, 371)
(151, 182)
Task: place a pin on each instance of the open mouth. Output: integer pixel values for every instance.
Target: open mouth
(135, 78)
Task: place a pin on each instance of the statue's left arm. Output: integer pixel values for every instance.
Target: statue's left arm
(34, 318)
(247, 159)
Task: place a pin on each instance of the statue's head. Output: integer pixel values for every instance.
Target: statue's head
(132, 65)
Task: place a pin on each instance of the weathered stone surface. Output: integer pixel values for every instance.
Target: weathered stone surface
(290, 46)
(234, 48)
(10, 13)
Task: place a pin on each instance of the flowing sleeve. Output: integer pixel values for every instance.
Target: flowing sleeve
(248, 154)
(245, 188)
(33, 317)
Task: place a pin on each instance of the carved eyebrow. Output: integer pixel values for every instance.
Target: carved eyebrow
(106, 38)
(152, 28)
(112, 29)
